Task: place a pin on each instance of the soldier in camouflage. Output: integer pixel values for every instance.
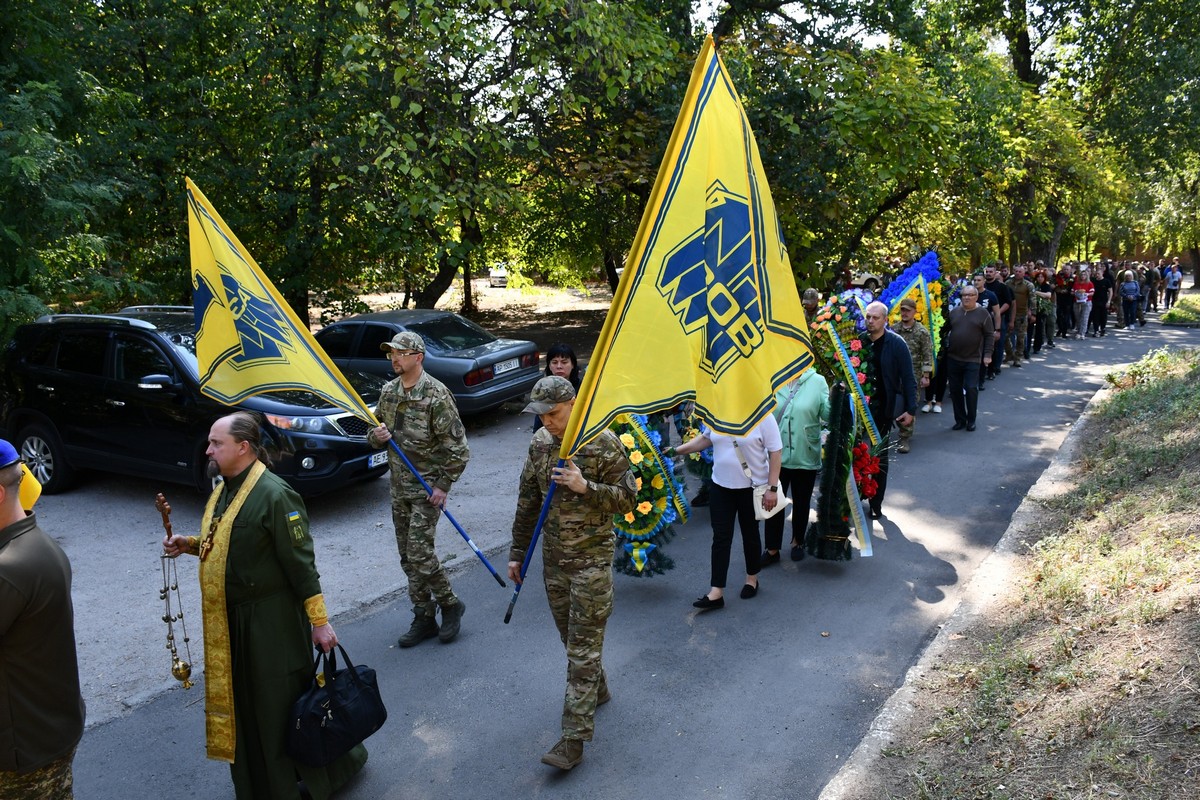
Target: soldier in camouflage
(920, 347)
(41, 708)
(577, 549)
(419, 412)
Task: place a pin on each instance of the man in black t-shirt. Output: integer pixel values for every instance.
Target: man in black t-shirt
(989, 302)
(1004, 298)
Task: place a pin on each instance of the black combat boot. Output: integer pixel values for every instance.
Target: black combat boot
(451, 618)
(424, 626)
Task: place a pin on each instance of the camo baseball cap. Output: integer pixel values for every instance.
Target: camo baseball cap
(404, 340)
(908, 302)
(547, 393)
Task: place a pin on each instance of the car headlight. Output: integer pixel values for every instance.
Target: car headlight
(320, 425)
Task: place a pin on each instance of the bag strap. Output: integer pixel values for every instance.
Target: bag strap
(745, 466)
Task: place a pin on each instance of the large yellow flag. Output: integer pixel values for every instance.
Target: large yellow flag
(248, 339)
(707, 307)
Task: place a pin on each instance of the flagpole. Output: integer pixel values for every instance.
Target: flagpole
(537, 530)
(450, 517)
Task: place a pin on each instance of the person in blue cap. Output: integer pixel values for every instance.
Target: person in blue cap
(39, 669)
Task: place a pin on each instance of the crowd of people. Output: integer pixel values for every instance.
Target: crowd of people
(1031, 307)
(264, 604)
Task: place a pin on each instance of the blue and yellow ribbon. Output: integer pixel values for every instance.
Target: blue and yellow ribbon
(858, 399)
(862, 528)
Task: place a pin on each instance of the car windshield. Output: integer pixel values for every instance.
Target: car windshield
(450, 333)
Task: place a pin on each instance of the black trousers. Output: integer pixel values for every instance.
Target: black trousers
(801, 483)
(962, 379)
(725, 506)
(884, 451)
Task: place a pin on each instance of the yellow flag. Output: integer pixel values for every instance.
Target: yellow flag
(707, 308)
(248, 339)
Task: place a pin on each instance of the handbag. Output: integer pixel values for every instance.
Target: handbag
(328, 720)
(781, 502)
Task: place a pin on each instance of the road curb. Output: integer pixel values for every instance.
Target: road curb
(991, 582)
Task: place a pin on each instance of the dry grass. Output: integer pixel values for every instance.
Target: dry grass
(1086, 682)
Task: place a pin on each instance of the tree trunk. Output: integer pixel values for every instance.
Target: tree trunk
(1060, 227)
(472, 235)
(612, 262)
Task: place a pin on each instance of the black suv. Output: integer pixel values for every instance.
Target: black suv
(120, 392)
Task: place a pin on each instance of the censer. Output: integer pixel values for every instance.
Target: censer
(172, 613)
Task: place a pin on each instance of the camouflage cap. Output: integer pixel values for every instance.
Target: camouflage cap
(547, 393)
(908, 302)
(8, 454)
(810, 296)
(404, 340)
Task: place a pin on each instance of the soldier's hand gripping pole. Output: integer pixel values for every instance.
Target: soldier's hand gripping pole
(537, 530)
(449, 516)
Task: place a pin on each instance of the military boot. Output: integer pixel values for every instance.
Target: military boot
(565, 754)
(424, 626)
(451, 618)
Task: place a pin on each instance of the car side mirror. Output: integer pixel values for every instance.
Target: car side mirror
(158, 383)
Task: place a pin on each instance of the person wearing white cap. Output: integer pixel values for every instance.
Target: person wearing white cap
(39, 669)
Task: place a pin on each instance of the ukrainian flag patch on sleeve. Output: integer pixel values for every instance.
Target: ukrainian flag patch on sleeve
(296, 527)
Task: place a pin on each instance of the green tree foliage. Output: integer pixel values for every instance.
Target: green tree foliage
(53, 252)
(498, 112)
(401, 145)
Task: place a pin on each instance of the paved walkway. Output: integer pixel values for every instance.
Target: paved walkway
(766, 698)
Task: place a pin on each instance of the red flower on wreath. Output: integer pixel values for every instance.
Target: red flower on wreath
(855, 345)
(866, 466)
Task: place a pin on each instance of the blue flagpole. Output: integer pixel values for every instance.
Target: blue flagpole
(537, 530)
(450, 517)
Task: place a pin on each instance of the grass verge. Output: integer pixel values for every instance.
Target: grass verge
(1085, 681)
(1187, 309)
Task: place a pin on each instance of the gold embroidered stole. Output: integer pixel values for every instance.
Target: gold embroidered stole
(218, 661)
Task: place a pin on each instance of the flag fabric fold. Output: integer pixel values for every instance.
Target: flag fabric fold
(248, 339)
(707, 308)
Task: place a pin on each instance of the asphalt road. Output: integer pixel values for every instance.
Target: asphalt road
(765, 698)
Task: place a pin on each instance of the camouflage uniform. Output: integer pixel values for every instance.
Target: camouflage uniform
(425, 424)
(1023, 296)
(920, 347)
(52, 781)
(577, 547)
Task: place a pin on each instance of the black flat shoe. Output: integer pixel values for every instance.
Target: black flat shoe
(970, 426)
(768, 557)
(797, 553)
(749, 591)
(958, 426)
(705, 604)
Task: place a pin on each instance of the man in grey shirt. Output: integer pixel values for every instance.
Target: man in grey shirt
(970, 341)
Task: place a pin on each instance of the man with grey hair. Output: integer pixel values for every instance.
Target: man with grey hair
(969, 338)
(420, 413)
(39, 673)
(894, 398)
(577, 550)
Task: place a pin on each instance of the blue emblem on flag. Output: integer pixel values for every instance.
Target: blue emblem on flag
(711, 282)
(261, 329)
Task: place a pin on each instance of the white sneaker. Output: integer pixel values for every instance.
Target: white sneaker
(925, 408)
(937, 408)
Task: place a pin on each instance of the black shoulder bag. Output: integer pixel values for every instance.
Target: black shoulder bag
(328, 721)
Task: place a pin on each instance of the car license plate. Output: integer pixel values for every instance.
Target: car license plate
(506, 366)
(377, 459)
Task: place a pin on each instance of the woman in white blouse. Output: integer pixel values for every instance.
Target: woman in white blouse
(739, 464)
